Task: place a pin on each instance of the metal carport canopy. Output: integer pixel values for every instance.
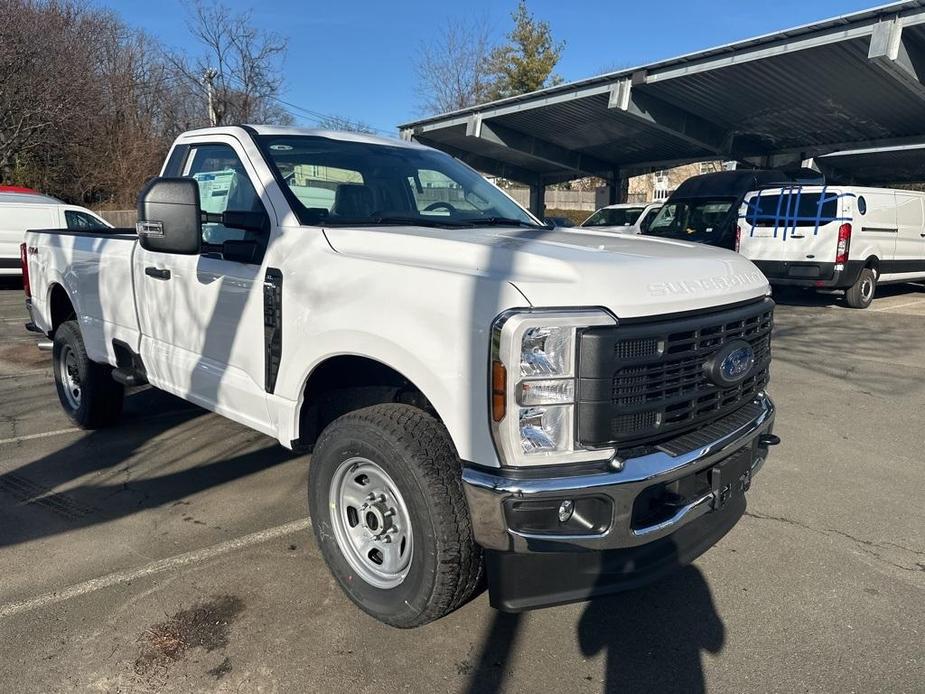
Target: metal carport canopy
(850, 82)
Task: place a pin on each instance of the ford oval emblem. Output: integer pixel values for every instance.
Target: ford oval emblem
(731, 364)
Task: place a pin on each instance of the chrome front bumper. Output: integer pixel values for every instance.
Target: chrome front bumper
(487, 492)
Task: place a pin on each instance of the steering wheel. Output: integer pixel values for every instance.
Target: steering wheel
(432, 207)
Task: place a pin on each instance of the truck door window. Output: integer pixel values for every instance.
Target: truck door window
(647, 220)
(223, 186)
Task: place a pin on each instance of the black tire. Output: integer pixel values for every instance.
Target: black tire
(415, 450)
(861, 293)
(98, 400)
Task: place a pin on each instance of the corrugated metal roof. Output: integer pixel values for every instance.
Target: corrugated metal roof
(806, 90)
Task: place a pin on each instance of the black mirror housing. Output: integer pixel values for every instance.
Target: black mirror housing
(248, 221)
(170, 216)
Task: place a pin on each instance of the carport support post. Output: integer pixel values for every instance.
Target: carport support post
(538, 198)
(618, 188)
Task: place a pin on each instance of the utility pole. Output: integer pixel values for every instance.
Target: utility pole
(208, 78)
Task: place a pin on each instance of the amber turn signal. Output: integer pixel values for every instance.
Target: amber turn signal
(498, 391)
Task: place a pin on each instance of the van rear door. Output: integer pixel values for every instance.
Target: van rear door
(796, 224)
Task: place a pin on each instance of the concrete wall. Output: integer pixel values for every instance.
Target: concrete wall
(560, 199)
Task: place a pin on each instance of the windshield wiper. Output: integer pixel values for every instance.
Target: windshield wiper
(503, 222)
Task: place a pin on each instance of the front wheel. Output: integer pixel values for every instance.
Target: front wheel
(390, 517)
(86, 390)
(861, 293)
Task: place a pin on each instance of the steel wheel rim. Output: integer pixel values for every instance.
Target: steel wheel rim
(371, 522)
(69, 374)
(867, 289)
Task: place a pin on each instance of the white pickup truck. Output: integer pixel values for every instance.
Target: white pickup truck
(570, 413)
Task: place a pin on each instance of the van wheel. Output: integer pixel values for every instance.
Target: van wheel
(390, 517)
(86, 389)
(861, 293)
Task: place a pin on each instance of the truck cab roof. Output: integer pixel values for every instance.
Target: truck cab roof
(279, 130)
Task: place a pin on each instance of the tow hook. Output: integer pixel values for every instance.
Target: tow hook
(768, 440)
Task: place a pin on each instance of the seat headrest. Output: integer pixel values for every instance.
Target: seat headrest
(353, 200)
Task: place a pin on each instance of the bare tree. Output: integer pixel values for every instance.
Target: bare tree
(452, 69)
(244, 63)
(89, 106)
(45, 75)
(347, 124)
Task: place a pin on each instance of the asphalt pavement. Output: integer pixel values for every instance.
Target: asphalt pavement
(173, 553)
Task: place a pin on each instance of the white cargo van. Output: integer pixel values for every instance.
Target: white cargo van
(836, 237)
(21, 211)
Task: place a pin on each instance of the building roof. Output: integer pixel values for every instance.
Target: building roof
(846, 82)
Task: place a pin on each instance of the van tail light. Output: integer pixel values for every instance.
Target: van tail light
(844, 243)
(24, 261)
(738, 237)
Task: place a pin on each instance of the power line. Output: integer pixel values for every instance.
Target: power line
(321, 118)
(316, 116)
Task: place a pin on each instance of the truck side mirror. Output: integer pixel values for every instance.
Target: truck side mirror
(170, 216)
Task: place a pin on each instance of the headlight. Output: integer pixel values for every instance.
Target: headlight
(533, 386)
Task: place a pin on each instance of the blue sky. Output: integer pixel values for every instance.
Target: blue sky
(355, 58)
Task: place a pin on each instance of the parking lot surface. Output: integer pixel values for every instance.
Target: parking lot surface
(173, 554)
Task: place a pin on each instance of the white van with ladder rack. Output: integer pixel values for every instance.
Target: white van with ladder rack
(834, 237)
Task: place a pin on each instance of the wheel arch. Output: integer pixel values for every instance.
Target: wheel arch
(60, 306)
(344, 382)
(873, 262)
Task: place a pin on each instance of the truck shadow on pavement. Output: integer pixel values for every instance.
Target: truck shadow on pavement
(110, 474)
(652, 638)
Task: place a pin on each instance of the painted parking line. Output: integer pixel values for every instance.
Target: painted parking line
(918, 302)
(43, 435)
(74, 430)
(160, 566)
(24, 374)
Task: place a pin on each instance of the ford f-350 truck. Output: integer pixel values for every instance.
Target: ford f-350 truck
(566, 412)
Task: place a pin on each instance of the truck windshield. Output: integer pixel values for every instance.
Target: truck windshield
(346, 182)
(701, 219)
(614, 217)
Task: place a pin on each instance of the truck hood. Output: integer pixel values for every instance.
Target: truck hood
(631, 275)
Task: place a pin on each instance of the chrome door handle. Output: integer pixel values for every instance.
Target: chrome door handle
(158, 273)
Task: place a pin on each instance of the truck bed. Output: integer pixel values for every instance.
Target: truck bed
(95, 268)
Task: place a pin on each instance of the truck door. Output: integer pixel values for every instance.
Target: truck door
(202, 315)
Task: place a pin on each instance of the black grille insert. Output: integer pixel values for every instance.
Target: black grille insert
(644, 383)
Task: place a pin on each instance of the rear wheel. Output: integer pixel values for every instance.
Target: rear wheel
(86, 389)
(861, 293)
(390, 517)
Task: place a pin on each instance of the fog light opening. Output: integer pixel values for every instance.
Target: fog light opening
(566, 509)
